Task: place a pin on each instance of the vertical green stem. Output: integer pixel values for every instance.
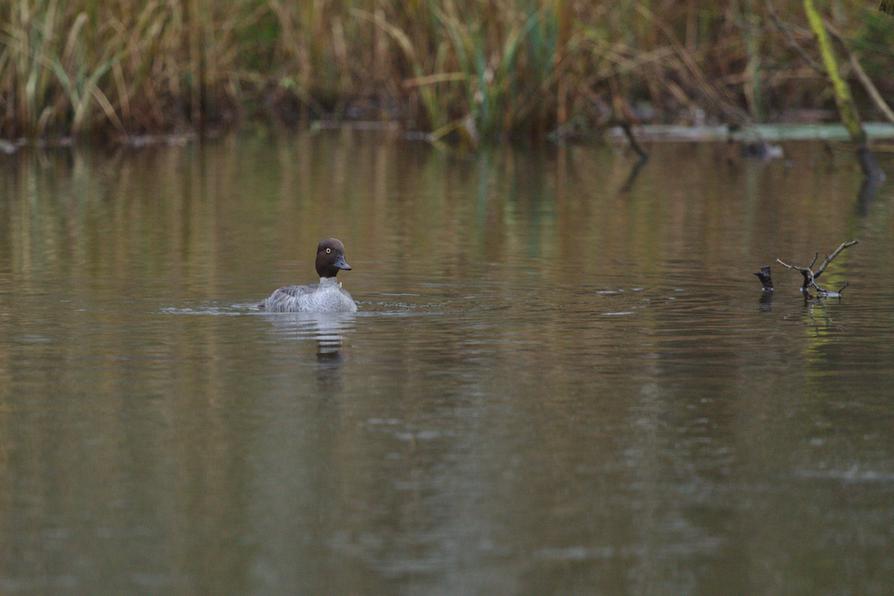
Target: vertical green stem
(753, 46)
(847, 110)
(843, 99)
(563, 13)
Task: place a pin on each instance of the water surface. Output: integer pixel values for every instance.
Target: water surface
(560, 380)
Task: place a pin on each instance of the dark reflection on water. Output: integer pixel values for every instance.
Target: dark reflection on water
(550, 387)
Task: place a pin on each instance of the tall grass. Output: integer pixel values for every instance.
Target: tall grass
(474, 69)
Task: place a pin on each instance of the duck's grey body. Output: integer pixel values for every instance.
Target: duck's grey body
(327, 296)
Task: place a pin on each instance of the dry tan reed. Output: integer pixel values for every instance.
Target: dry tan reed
(470, 69)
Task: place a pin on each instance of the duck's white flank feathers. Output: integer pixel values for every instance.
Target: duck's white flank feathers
(327, 296)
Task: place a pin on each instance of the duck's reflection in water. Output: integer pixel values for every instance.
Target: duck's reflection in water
(328, 330)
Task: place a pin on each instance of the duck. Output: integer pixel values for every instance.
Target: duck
(753, 149)
(326, 297)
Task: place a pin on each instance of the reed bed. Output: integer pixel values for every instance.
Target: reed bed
(467, 69)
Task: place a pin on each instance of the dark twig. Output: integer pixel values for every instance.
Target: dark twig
(805, 271)
(766, 278)
(810, 276)
(871, 90)
(631, 138)
(632, 176)
(643, 156)
(786, 30)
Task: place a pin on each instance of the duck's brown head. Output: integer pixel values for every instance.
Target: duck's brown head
(331, 257)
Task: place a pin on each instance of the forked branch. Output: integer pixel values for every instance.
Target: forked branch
(810, 276)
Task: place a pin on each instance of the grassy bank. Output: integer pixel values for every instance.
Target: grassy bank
(466, 68)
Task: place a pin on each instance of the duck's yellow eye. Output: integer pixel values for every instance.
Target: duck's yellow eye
(328, 250)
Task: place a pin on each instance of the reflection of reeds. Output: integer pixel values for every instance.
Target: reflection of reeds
(467, 68)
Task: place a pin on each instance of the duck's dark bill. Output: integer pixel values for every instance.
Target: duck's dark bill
(342, 264)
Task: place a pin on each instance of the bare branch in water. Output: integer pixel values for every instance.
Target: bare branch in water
(810, 276)
(805, 271)
(829, 258)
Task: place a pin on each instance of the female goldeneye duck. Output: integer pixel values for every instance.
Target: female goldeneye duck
(327, 296)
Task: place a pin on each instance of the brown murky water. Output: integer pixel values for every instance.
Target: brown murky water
(553, 385)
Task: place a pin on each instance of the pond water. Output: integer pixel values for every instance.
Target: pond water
(559, 380)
